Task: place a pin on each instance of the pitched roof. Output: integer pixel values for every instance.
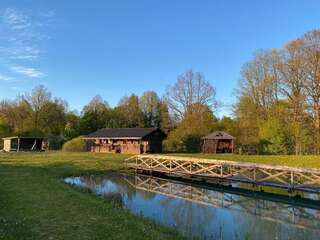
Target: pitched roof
(218, 135)
(122, 133)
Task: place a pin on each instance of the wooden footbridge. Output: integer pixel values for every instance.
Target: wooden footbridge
(291, 178)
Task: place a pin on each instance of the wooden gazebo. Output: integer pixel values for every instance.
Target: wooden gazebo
(217, 142)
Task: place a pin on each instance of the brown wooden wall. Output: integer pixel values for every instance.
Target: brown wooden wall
(217, 146)
(149, 144)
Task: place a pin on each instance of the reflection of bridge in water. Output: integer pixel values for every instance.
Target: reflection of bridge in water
(269, 210)
(302, 179)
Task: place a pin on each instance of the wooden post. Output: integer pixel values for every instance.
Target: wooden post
(215, 146)
(18, 148)
(232, 145)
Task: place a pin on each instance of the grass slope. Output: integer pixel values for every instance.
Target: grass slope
(308, 161)
(36, 204)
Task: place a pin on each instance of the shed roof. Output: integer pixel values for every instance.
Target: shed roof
(136, 133)
(21, 137)
(218, 135)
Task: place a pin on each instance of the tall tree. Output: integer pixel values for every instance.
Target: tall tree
(195, 124)
(311, 58)
(38, 98)
(150, 106)
(190, 89)
(293, 77)
(94, 115)
(130, 112)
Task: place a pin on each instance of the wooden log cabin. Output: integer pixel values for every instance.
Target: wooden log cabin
(217, 142)
(126, 140)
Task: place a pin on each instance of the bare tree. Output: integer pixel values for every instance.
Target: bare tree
(292, 74)
(311, 58)
(190, 88)
(259, 81)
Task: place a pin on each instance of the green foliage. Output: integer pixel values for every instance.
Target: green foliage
(75, 145)
(192, 143)
(272, 137)
(130, 112)
(150, 106)
(94, 115)
(196, 123)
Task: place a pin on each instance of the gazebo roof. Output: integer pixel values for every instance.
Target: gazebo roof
(219, 135)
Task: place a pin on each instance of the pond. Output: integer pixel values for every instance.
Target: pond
(206, 213)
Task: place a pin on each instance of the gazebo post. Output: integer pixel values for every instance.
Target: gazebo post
(232, 145)
(216, 146)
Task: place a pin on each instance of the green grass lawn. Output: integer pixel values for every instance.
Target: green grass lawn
(308, 161)
(35, 203)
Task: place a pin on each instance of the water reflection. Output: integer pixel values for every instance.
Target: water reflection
(205, 213)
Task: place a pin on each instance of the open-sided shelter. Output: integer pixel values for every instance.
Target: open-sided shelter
(217, 142)
(16, 144)
(126, 140)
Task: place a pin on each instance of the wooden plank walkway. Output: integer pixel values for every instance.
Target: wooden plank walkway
(302, 179)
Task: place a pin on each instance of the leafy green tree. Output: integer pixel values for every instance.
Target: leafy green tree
(72, 127)
(94, 115)
(150, 106)
(129, 112)
(196, 123)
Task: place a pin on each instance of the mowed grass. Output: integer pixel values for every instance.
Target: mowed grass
(305, 161)
(35, 203)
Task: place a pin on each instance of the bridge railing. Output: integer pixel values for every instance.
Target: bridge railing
(304, 179)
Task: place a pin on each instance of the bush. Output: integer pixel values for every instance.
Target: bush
(192, 143)
(75, 145)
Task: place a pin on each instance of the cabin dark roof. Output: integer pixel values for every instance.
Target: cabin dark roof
(218, 135)
(122, 133)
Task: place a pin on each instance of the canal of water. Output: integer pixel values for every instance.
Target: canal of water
(202, 212)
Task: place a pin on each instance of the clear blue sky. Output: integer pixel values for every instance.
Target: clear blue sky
(78, 49)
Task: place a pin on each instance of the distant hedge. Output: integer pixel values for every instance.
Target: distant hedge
(75, 145)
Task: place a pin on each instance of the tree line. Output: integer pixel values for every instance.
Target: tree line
(278, 103)
(277, 108)
(185, 112)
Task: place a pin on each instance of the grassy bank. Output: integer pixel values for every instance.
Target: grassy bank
(310, 161)
(36, 204)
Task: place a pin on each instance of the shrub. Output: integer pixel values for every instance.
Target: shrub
(75, 145)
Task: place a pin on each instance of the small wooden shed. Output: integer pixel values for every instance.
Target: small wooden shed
(217, 142)
(16, 144)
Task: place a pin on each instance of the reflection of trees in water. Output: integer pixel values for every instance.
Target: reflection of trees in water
(251, 218)
(101, 183)
(192, 218)
(264, 219)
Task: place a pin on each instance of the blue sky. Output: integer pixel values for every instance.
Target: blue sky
(78, 49)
